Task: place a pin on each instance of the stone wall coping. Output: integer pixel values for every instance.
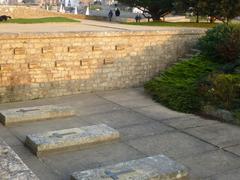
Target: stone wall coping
(43, 35)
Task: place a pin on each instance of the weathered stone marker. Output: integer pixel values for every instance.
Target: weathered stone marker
(27, 110)
(11, 166)
(151, 168)
(68, 138)
(11, 116)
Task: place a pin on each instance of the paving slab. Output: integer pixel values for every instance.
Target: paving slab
(101, 155)
(97, 109)
(68, 138)
(234, 149)
(129, 98)
(156, 167)
(229, 175)
(189, 122)
(25, 114)
(159, 112)
(143, 130)
(11, 166)
(220, 134)
(137, 103)
(119, 118)
(124, 94)
(173, 144)
(210, 163)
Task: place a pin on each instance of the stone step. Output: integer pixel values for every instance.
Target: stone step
(11, 166)
(19, 115)
(70, 138)
(157, 167)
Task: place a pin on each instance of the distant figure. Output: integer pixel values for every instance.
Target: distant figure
(138, 18)
(110, 15)
(117, 12)
(87, 11)
(5, 18)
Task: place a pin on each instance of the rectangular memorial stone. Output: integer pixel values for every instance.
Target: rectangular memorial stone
(151, 168)
(11, 166)
(70, 138)
(11, 116)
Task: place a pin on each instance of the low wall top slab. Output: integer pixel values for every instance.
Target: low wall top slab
(67, 138)
(18, 115)
(151, 168)
(88, 34)
(11, 166)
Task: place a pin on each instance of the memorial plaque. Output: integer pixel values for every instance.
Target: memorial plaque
(34, 65)
(84, 62)
(11, 166)
(19, 51)
(120, 47)
(157, 167)
(60, 63)
(6, 67)
(18, 115)
(75, 49)
(108, 61)
(47, 50)
(70, 138)
(96, 48)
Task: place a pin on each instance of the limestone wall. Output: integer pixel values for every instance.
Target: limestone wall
(47, 65)
(25, 12)
(37, 12)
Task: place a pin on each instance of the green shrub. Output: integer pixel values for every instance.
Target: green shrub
(177, 87)
(237, 115)
(222, 43)
(223, 90)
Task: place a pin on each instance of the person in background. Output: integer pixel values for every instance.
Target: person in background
(138, 18)
(117, 12)
(110, 15)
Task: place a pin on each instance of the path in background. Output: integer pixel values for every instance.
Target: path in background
(85, 25)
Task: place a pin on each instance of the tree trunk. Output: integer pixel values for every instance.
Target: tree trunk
(211, 19)
(197, 14)
(156, 17)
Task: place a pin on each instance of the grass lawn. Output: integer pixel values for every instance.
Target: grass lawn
(176, 24)
(40, 20)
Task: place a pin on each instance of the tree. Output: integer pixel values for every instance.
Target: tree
(194, 6)
(155, 8)
(228, 9)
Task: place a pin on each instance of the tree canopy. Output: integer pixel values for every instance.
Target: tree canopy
(224, 10)
(155, 8)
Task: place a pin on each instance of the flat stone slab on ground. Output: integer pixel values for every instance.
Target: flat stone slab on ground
(11, 166)
(18, 115)
(70, 138)
(157, 167)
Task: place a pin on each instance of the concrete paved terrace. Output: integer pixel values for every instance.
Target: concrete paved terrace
(209, 149)
(84, 26)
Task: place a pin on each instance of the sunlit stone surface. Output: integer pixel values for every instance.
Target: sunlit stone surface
(151, 168)
(11, 166)
(18, 115)
(69, 138)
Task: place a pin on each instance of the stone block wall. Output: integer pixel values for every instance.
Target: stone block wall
(37, 12)
(25, 12)
(47, 65)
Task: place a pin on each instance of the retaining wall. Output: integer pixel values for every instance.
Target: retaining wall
(55, 64)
